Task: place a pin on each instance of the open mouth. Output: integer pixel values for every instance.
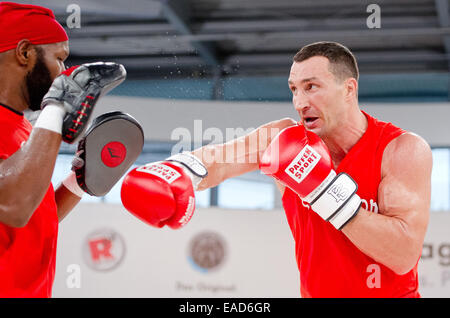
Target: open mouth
(310, 120)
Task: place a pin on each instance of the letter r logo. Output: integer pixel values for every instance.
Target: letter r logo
(100, 248)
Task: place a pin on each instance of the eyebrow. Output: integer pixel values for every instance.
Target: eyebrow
(305, 80)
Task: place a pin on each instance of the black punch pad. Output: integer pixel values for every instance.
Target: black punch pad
(110, 146)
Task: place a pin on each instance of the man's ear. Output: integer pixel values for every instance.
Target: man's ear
(25, 53)
(351, 87)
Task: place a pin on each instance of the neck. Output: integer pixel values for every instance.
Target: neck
(342, 139)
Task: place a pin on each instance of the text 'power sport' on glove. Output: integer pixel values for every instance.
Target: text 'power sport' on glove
(300, 160)
(162, 193)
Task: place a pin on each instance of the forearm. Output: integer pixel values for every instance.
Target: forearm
(388, 240)
(26, 176)
(219, 169)
(238, 156)
(65, 201)
(395, 236)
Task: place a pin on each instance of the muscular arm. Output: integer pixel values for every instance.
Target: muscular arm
(395, 235)
(238, 156)
(25, 177)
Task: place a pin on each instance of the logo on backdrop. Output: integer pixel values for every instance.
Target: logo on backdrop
(103, 250)
(207, 251)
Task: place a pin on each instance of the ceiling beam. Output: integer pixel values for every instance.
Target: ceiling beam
(237, 27)
(177, 13)
(442, 9)
(196, 39)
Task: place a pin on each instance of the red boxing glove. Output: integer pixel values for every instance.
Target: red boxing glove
(162, 193)
(300, 160)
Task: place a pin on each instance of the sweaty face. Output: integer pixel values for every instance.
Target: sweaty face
(49, 64)
(38, 83)
(316, 94)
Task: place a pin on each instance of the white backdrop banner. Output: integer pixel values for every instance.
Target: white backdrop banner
(434, 265)
(103, 251)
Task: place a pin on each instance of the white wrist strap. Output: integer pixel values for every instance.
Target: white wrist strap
(347, 213)
(193, 167)
(317, 191)
(195, 179)
(51, 118)
(72, 185)
(337, 201)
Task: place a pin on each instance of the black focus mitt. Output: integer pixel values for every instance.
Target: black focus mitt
(110, 146)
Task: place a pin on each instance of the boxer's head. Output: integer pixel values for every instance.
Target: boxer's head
(49, 63)
(324, 85)
(34, 46)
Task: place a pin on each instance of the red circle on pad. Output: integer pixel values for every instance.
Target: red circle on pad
(113, 154)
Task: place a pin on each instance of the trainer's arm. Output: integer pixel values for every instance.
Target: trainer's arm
(25, 177)
(65, 201)
(394, 237)
(238, 156)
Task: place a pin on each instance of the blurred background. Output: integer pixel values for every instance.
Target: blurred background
(206, 71)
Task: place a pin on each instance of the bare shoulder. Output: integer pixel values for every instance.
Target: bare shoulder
(405, 187)
(272, 128)
(283, 123)
(407, 152)
(410, 139)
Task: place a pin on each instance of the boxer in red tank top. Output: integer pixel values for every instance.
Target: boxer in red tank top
(27, 254)
(375, 252)
(312, 234)
(33, 47)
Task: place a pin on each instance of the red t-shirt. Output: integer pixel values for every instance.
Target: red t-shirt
(27, 254)
(330, 264)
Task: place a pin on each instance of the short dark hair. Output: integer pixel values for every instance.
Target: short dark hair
(342, 62)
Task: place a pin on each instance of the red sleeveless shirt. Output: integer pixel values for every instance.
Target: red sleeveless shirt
(330, 264)
(27, 254)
